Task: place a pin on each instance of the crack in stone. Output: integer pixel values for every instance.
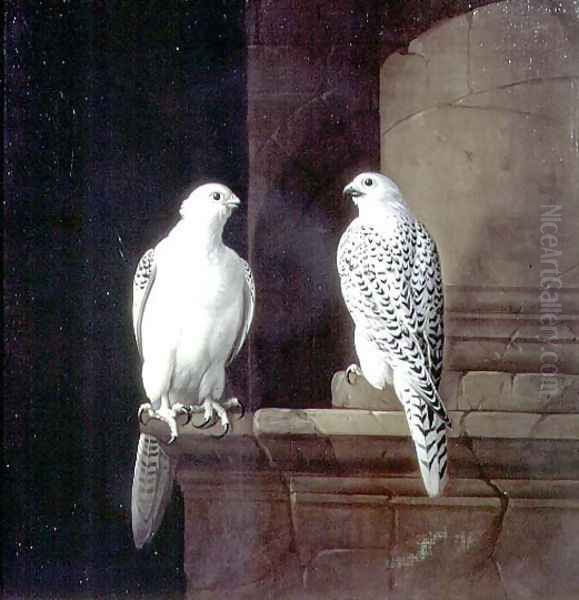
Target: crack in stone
(542, 418)
(501, 495)
(462, 422)
(263, 447)
(502, 109)
(286, 482)
(499, 571)
(469, 17)
(509, 344)
(422, 56)
(456, 102)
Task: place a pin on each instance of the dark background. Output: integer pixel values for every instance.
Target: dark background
(113, 109)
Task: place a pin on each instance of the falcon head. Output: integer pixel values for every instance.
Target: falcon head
(373, 192)
(209, 202)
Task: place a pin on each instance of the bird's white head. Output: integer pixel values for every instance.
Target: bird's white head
(375, 194)
(211, 203)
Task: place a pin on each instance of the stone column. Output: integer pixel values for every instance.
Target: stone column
(479, 127)
(312, 124)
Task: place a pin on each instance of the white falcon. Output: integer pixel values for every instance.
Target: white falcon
(392, 285)
(193, 303)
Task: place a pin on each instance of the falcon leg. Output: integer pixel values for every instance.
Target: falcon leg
(179, 409)
(145, 409)
(232, 404)
(353, 372)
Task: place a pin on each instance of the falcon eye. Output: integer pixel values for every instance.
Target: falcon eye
(216, 196)
(368, 182)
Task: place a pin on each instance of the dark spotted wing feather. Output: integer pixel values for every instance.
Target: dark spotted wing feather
(142, 284)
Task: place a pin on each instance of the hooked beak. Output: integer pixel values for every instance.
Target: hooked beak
(351, 192)
(233, 202)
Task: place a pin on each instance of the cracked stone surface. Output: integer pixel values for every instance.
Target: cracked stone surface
(474, 390)
(320, 503)
(538, 549)
(522, 392)
(475, 424)
(360, 394)
(479, 127)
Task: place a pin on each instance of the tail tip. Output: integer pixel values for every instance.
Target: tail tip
(435, 488)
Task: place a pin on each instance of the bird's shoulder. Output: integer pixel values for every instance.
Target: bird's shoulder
(424, 241)
(364, 241)
(145, 270)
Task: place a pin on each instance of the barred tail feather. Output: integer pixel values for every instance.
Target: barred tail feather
(428, 432)
(152, 488)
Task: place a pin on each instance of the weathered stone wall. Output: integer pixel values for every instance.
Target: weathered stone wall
(312, 123)
(329, 504)
(479, 124)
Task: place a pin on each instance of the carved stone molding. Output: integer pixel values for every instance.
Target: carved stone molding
(329, 504)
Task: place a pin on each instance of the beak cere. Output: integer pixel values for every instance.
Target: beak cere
(233, 202)
(351, 192)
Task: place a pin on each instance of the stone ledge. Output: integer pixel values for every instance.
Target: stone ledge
(482, 445)
(494, 391)
(335, 423)
(370, 423)
(329, 504)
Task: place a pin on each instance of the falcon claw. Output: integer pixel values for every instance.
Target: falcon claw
(142, 409)
(241, 410)
(226, 430)
(353, 372)
(189, 414)
(207, 423)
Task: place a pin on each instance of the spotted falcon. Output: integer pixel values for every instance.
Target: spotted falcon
(391, 282)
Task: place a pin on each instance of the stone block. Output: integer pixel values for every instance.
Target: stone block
(433, 71)
(329, 422)
(491, 151)
(360, 394)
(468, 352)
(485, 390)
(403, 84)
(556, 490)
(441, 546)
(541, 393)
(347, 574)
(520, 41)
(244, 523)
(548, 99)
(522, 426)
(330, 521)
(318, 504)
(537, 551)
(516, 458)
(522, 61)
